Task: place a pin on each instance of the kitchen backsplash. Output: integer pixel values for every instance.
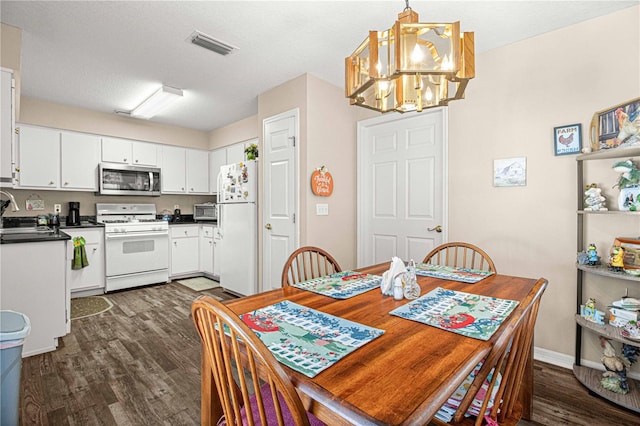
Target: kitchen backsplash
(88, 201)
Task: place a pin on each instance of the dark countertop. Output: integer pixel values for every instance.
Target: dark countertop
(34, 237)
(83, 224)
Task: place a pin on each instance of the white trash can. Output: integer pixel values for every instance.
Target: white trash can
(14, 329)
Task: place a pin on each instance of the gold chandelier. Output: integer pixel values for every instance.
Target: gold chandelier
(411, 66)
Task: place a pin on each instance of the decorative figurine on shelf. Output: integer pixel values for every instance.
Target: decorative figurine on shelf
(629, 174)
(589, 312)
(593, 199)
(583, 259)
(629, 185)
(592, 255)
(615, 259)
(615, 378)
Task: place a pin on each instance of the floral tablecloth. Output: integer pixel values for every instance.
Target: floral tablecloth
(307, 340)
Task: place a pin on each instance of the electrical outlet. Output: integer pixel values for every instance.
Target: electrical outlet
(176, 206)
(57, 208)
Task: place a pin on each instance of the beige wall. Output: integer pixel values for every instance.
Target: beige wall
(331, 142)
(521, 92)
(240, 131)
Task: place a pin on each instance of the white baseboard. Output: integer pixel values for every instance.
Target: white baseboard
(566, 361)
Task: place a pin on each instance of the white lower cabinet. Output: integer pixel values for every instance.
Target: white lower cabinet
(206, 249)
(184, 249)
(33, 282)
(92, 277)
(216, 252)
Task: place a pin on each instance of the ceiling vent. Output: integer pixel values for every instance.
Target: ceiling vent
(210, 43)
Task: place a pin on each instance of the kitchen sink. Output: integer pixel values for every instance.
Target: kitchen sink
(26, 230)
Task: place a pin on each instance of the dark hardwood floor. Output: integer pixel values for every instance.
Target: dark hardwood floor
(139, 364)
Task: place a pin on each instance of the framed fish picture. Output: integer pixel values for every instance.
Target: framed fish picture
(568, 139)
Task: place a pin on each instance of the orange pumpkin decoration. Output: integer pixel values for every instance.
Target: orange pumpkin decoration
(322, 182)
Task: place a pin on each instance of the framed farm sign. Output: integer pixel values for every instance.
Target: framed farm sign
(568, 139)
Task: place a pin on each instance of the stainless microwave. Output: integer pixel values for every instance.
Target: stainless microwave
(122, 179)
(205, 211)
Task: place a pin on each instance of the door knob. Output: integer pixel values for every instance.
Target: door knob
(268, 226)
(437, 229)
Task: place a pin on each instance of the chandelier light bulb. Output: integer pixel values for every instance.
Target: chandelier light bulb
(428, 94)
(417, 56)
(446, 63)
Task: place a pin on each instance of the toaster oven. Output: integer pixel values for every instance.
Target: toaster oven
(205, 211)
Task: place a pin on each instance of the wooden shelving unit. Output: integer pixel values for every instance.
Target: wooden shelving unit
(590, 377)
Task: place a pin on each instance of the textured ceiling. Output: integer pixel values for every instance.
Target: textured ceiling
(108, 56)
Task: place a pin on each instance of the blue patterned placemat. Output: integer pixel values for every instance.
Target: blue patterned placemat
(465, 275)
(463, 313)
(307, 340)
(341, 285)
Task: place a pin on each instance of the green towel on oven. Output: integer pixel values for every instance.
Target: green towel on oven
(79, 254)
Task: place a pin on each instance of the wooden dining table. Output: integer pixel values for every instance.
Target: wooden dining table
(402, 377)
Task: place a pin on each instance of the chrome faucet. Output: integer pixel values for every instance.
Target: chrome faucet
(5, 204)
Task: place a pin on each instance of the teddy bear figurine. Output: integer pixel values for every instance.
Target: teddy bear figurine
(593, 199)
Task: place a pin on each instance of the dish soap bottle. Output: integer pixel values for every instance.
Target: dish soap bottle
(411, 287)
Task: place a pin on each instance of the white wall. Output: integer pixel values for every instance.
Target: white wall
(520, 93)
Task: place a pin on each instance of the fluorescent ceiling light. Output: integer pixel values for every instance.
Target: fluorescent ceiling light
(156, 102)
(210, 43)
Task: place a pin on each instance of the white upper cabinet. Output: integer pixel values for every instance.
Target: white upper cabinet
(173, 170)
(7, 125)
(38, 158)
(217, 159)
(144, 153)
(235, 153)
(80, 155)
(125, 151)
(197, 171)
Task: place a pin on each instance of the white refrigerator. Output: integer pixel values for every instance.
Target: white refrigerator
(237, 227)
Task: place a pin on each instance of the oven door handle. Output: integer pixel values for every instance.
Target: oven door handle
(135, 235)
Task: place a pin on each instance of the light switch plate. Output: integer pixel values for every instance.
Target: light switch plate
(57, 208)
(322, 209)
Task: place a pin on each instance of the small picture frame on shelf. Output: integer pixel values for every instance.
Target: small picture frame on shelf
(568, 139)
(616, 126)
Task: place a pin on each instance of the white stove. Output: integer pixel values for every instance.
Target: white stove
(137, 245)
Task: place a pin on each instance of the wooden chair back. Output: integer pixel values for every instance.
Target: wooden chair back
(460, 255)
(307, 263)
(509, 356)
(233, 349)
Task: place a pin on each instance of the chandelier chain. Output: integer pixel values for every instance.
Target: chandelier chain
(407, 7)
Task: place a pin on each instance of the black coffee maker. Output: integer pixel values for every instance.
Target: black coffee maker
(73, 218)
(177, 215)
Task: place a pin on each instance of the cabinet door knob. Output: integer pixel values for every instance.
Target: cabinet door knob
(268, 226)
(66, 183)
(51, 182)
(124, 159)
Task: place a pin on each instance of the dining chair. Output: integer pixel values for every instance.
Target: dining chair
(461, 255)
(509, 357)
(245, 372)
(307, 263)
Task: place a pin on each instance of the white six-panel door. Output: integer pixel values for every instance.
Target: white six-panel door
(280, 201)
(402, 194)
